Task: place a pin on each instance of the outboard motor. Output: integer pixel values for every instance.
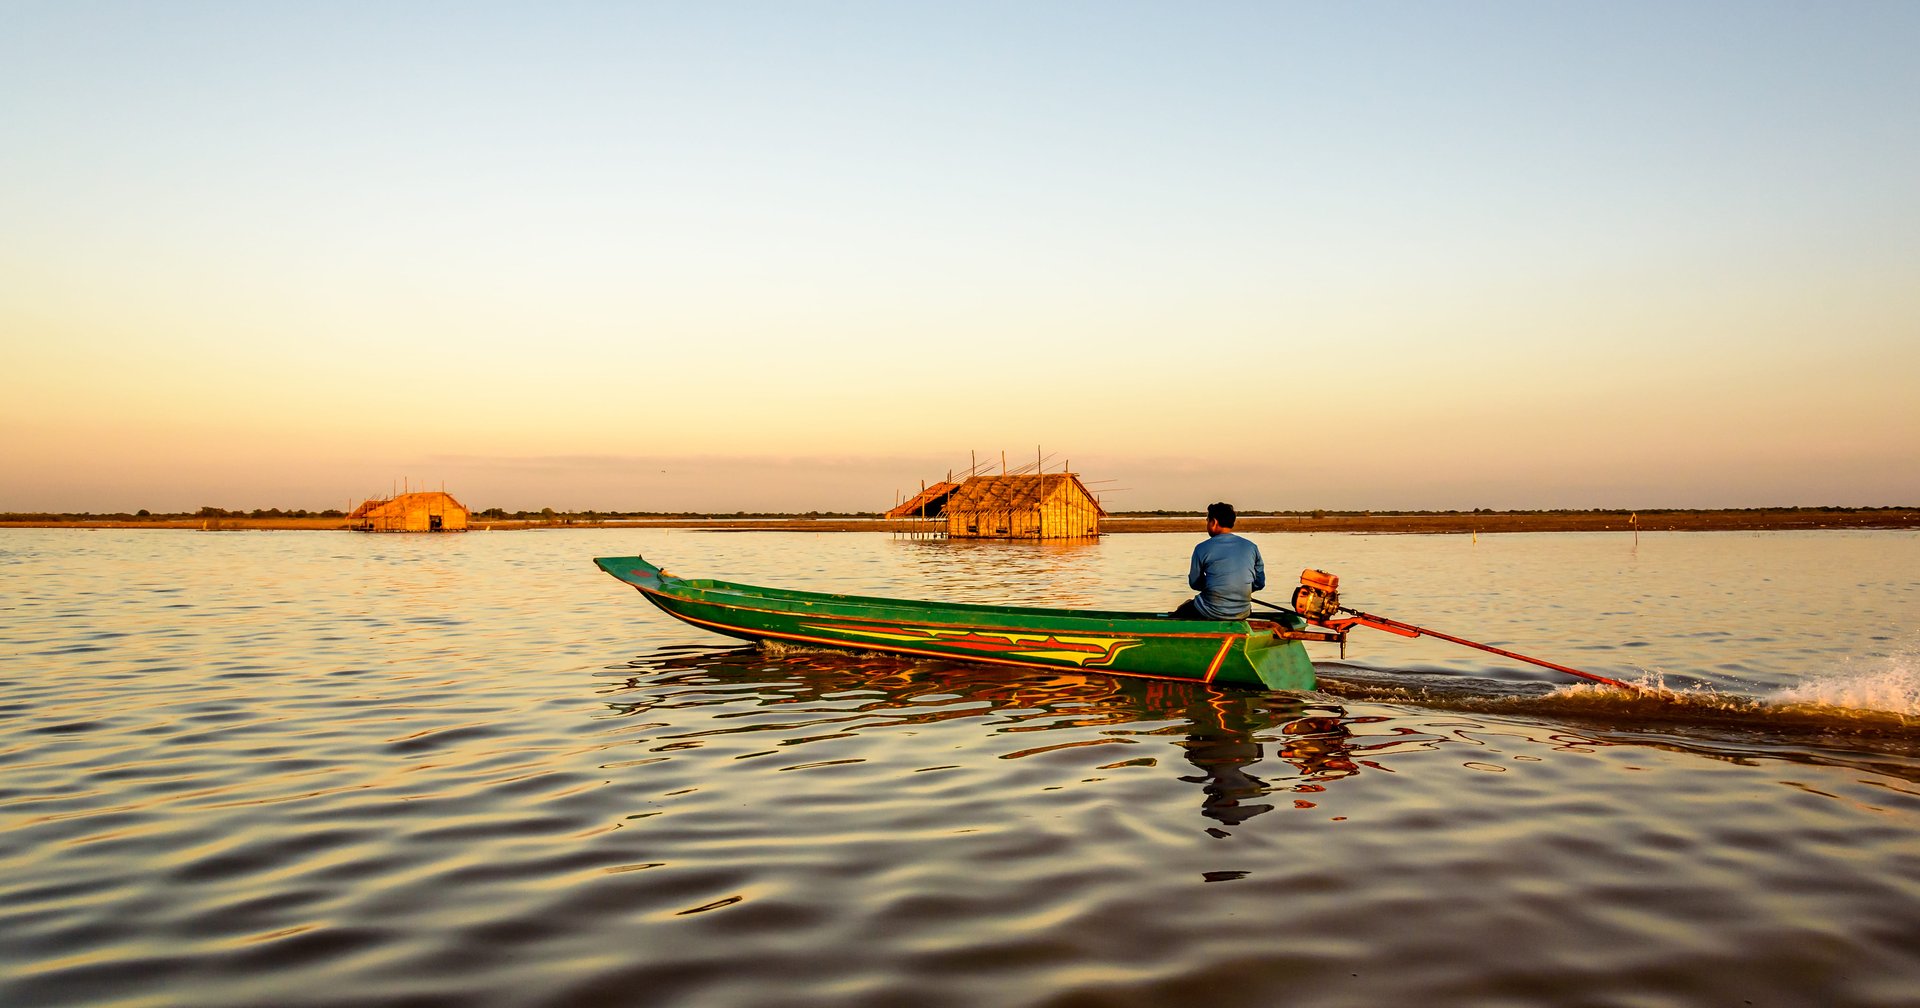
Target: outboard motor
(1318, 597)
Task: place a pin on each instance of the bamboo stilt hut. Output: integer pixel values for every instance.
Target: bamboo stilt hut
(426, 511)
(1023, 506)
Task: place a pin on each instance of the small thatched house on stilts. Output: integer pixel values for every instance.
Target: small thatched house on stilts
(1028, 506)
(428, 511)
(1017, 506)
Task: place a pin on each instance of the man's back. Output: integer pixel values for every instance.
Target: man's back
(1226, 571)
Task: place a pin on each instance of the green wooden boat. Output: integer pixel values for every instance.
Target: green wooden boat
(1259, 653)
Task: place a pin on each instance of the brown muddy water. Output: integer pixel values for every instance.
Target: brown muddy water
(326, 769)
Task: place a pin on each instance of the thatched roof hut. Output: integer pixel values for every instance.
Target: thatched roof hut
(427, 511)
(1026, 506)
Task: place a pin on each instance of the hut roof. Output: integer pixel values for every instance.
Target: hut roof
(1012, 493)
(932, 498)
(405, 500)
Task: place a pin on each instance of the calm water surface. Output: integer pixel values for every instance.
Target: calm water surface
(327, 769)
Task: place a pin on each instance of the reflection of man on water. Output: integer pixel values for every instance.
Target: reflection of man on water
(1226, 570)
(1221, 744)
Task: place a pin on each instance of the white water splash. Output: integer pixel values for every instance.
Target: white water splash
(1888, 683)
(1651, 685)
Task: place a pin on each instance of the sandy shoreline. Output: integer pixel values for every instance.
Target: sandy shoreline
(1464, 523)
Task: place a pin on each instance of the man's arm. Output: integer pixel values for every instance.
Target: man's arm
(1259, 570)
(1196, 571)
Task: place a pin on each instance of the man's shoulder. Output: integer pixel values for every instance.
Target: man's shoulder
(1240, 544)
(1223, 541)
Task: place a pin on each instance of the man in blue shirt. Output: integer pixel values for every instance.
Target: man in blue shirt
(1226, 571)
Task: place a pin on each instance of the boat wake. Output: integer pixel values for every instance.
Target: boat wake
(1889, 683)
(1873, 702)
(1867, 703)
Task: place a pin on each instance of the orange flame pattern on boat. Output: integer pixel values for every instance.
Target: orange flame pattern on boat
(1083, 651)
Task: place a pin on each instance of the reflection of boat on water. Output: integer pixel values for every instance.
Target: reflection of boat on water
(1260, 653)
(1242, 748)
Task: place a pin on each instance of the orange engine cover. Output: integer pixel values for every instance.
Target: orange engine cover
(1318, 596)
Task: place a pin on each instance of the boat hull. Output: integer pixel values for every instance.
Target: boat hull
(1259, 653)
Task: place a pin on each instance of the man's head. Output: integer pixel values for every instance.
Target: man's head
(1220, 514)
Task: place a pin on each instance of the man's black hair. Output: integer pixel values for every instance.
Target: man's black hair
(1221, 512)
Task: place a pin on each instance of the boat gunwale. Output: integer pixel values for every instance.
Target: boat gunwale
(872, 601)
(703, 587)
(1226, 642)
(1242, 631)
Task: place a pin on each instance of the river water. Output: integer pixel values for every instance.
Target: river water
(327, 769)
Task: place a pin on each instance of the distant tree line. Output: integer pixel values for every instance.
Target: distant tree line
(1328, 512)
(552, 515)
(214, 512)
(549, 514)
(144, 514)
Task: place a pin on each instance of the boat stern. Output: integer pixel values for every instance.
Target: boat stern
(1280, 663)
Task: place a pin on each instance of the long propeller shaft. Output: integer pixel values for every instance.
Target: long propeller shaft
(1409, 630)
(1355, 618)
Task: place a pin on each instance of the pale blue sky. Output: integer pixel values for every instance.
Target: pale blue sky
(801, 255)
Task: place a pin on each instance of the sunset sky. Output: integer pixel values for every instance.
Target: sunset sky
(800, 256)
